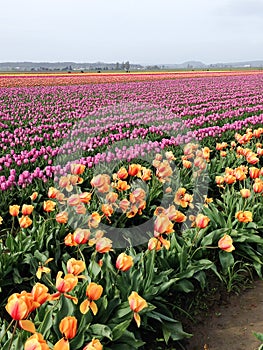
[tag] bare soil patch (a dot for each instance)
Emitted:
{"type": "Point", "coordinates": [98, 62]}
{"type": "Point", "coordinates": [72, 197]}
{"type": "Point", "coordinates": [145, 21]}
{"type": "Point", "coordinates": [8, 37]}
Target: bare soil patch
{"type": "Point", "coordinates": [231, 324]}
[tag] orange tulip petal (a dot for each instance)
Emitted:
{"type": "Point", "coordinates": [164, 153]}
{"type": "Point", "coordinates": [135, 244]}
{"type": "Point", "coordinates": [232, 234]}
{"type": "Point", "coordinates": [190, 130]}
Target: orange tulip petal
{"type": "Point", "coordinates": [94, 308]}
{"type": "Point", "coordinates": [27, 325]}
{"type": "Point", "coordinates": [62, 344]}
{"type": "Point", "coordinates": [84, 306]}
{"type": "Point", "coordinates": [137, 319]}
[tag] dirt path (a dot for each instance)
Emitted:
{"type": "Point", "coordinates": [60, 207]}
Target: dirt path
{"type": "Point", "coordinates": [231, 325]}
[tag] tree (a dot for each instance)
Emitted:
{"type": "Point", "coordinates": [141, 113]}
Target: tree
{"type": "Point", "coordinates": [127, 66]}
{"type": "Point", "coordinates": [117, 66]}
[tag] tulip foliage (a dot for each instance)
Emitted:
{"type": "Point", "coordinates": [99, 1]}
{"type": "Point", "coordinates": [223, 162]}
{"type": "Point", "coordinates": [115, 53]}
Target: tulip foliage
{"type": "Point", "coordinates": [100, 253]}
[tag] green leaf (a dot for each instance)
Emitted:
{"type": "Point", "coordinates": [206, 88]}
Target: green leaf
{"type": "Point", "coordinates": [101, 330]}
{"type": "Point", "coordinates": [118, 330]}
{"type": "Point", "coordinates": [226, 259]}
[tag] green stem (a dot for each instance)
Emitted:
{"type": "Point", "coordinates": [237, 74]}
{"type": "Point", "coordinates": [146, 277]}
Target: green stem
{"type": "Point", "coordinates": [12, 338]}
{"type": "Point", "coordinates": [10, 324]}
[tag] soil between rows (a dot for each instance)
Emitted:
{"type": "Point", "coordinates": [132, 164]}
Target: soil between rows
{"type": "Point", "coordinates": [230, 326]}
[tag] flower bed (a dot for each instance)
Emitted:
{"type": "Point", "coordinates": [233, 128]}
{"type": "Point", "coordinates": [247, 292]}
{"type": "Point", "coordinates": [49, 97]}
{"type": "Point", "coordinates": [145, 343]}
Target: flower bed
{"type": "Point", "coordinates": [99, 249]}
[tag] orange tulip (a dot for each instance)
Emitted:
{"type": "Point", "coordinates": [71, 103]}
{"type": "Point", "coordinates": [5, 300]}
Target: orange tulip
{"type": "Point", "coordinates": [20, 305]}
{"type": "Point", "coordinates": [73, 200]}
{"type": "Point", "coordinates": [62, 218]}
{"type": "Point", "coordinates": [219, 180]}
{"type": "Point", "coordinates": [146, 174]}
{"type": "Point", "coordinates": [239, 174]}
{"type": "Point", "coordinates": [93, 292]}
{"type": "Point", "coordinates": [122, 173]}
{"type": "Point", "coordinates": [14, 210]}
{"type": "Point", "coordinates": [49, 206]}
{"type": "Point", "coordinates": [124, 204]}
{"type": "Point", "coordinates": [137, 304]}
{"type": "Point", "coordinates": [94, 220]}
{"type": "Point", "coordinates": [52, 192]}
{"type": "Point", "coordinates": [75, 267]}
{"type": "Point", "coordinates": [25, 221]}
{"type": "Point", "coordinates": [111, 197]}
{"type": "Point", "coordinates": [33, 196]}
{"type": "Point", "coordinates": [245, 193]}
{"type": "Point", "coordinates": [103, 245]}
{"type": "Point", "coordinates": [201, 221]}
{"type": "Point", "coordinates": [81, 236]}
{"type": "Point", "coordinates": [66, 284]}
{"type": "Point", "coordinates": [62, 344]}
{"type": "Point", "coordinates": [229, 179]}
{"type": "Point", "coordinates": [69, 240]}
{"type": "Point", "coordinates": [162, 225]}
{"type": "Point", "coordinates": [36, 342]}
{"type": "Point", "coordinates": [80, 209]}
{"type": "Point", "coordinates": [244, 216]}
{"type": "Point", "coordinates": [226, 243]}
{"type": "Point", "coordinates": [77, 169]}
{"type": "Point", "coordinates": [124, 262]}
{"type": "Point", "coordinates": [68, 327]}
{"type": "Point", "coordinates": [40, 293]}
{"type": "Point", "coordinates": [107, 209]}
{"type": "Point", "coordinates": [85, 197]}
{"type": "Point", "coordinates": [187, 164]}
{"type": "Point", "coordinates": [134, 169]}
{"type": "Point", "coordinates": [154, 244]}
{"type": "Point", "coordinates": [101, 182]}
{"type": "Point", "coordinates": [258, 186]}
{"type": "Point", "coordinates": [27, 209]}
{"type": "Point", "coordinates": [252, 158]}
{"type": "Point", "coordinates": [95, 344]}
{"type": "Point", "coordinates": [254, 172]}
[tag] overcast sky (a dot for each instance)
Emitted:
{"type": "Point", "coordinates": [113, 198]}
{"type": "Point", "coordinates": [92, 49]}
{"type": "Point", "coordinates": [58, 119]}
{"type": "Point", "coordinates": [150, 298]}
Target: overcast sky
{"type": "Point", "coordinates": [141, 31]}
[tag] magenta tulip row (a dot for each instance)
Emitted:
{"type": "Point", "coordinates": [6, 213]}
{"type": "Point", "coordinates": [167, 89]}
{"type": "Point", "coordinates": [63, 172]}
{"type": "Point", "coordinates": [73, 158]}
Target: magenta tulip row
{"type": "Point", "coordinates": [39, 126]}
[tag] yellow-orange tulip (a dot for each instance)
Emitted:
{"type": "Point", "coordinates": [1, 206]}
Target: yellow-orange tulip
{"type": "Point", "coordinates": [245, 193]}
{"type": "Point", "coordinates": [33, 196]}
{"type": "Point", "coordinates": [66, 284]}
{"type": "Point", "coordinates": [36, 342]}
{"type": "Point", "coordinates": [154, 244]}
{"type": "Point", "coordinates": [77, 169]}
{"type": "Point", "coordinates": [85, 197]}
{"type": "Point", "coordinates": [134, 169]}
{"type": "Point", "coordinates": [52, 192]}
{"type": "Point", "coordinates": [25, 221]}
{"type": "Point", "coordinates": [40, 293]}
{"type": "Point", "coordinates": [27, 209]}
{"type": "Point", "coordinates": [75, 267]}
{"type": "Point", "coordinates": [124, 262]}
{"type": "Point", "coordinates": [137, 304]}
{"type": "Point", "coordinates": [14, 210]}
{"type": "Point", "coordinates": [258, 186]}
{"type": "Point", "coordinates": [244, 216]}
{"type": "Point", "coordinates": [49, 206]}
{"type": "Point", "coordinates": [162, 225]}
{"type": "Point", "coordinates": [254, 172]}
{"type": "Point", "coordinates": [20, 305]}
{"type": "Point", "coordinates": [201, 221]}
{"type": "Point", "coordinates": [103, 245]}
{"type": "Point", "coordinates": [95, 344]}
{"type": "Point", "coordinates": [94, 291]}
{"type": "Point", "coordinates": [62, 218]}
{"type": "Point", "coordinates": [226, 243]}
{"type": "Point", "coordinates": [81, 236]}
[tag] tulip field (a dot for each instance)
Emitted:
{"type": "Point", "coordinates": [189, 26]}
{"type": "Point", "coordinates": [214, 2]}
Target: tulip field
{"type": "Point", "coordinates": [124, 198]}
